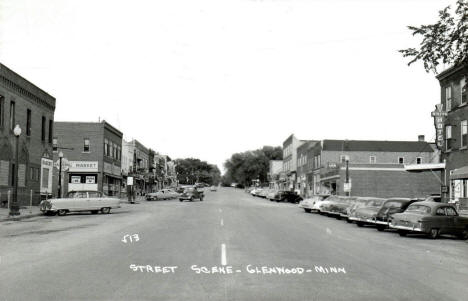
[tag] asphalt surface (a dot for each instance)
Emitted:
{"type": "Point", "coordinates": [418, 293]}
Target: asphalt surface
{"type": "Point", "coordinates": [254, 249]}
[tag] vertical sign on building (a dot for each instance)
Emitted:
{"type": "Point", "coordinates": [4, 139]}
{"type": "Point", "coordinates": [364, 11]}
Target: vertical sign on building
{"type": "Point", "coordinates": [439, 119]}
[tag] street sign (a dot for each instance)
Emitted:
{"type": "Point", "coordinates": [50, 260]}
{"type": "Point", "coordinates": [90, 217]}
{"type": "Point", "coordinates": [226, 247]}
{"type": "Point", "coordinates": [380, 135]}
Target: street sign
{"type": "Point", "coordinates": [347, 186]}
{"type": "Point", "coordinates": [65, 164]}
{"type": "Point", "coordinates": [130, 181]}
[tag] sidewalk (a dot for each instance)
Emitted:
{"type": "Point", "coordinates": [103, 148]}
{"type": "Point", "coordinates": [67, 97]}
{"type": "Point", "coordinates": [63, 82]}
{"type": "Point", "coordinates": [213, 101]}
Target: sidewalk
{"type": "Point", "coordinates": [25, 212]}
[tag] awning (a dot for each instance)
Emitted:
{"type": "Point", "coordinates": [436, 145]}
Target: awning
{"type": "Point", "coordinates": [329, 178]}
{"type": "Point", "coordinates": [459, 173]}
{"type": "Point", "coordinates": [424, 167]}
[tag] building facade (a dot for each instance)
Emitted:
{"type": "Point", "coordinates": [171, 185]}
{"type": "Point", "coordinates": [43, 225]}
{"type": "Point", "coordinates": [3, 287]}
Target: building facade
{"type": "Point", "coordinates": [373, 168]}
{"type": "Point", "coordinates": [304, 169]}
{"type": "Point", "coordinates": [24, 104]}
{"type": "Point", "coordinates": [451, 120]}
{"type": "Point", "coordinates": [274, 173]}
{"type": "Point", "coordinates": [137, 165]}
{"type": "Point", "coordinates": [290, 145]}
{"type": "Point", "coordinates": [92, 156]}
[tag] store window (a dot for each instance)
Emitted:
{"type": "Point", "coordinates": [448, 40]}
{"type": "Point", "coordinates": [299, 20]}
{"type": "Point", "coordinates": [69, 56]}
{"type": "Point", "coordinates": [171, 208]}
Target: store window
{"type": "Point", "coordinates": [464, 131]}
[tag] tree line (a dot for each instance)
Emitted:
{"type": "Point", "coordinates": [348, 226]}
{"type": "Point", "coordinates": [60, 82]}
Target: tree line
{"type": "Point", "coordinates": [190, 171]}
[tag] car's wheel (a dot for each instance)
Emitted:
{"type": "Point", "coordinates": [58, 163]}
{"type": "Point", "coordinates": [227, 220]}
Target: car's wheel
{"type": "Point", "coordinates": [94, 211]}
{"type": "Point", "coordinates": [307, 210]}
{"type": "Point", "coordinates": [464, 234]}
{"type": "Point", "coordinates": [434, 233]}
{"type": "Point", "coordinates": [191, 199]}
{"type": "Point", "coordinates": [380, 228]}
{"type": "Point", "coordinates": [402, 232]}
{"type": "Point", "coordinates": [201, 199]}
{"type": "Point", "coordinates": [62, 212]}
{"type": "Point", "coordinates": [338, 217]}
{"type": "Point", "coordinates": [105, 210]}
{"type": "Point", "coordinates": [348, 221]}
{"type": "Point", "coordinates": [360, 224]}
{"type": "Point", "coordinates": [181, 200]}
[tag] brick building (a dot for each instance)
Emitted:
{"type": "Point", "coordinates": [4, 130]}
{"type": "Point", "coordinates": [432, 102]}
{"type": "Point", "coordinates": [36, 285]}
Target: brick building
{"type": "Point", "coordinates": [453, 134]}
{"type": "Point", "coordinates": [91, 156]}
{"type": "Point", "coordinates": [24, 104]}
{"type": "Point", "coordinates": [136, 157]}
{"type": "Point", "coordinates": [290, 145]}
{"type": "Point", "coordinates": [375, 168]}
{"type": "Point", "coordinates": [304, 168]}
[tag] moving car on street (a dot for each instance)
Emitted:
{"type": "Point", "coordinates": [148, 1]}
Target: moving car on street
{"type": "Point", "coordinates": [430, 218]}
{"type": "Point", "coordinates": [76, 201]}
{"type": "Point", "coordinates": [390, 207]}
{"type": "Point", "coordinates": [163, 194]}
{"type": "Point", "coordinates": [191, 194]}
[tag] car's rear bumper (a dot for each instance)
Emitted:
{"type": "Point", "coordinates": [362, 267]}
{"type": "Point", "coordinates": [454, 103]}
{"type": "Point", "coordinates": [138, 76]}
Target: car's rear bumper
{"type": "Point", "coordinates": [407, 228]}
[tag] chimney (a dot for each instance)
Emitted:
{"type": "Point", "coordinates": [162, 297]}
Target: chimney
{"type": "Point", "coordinates": [421, 138]}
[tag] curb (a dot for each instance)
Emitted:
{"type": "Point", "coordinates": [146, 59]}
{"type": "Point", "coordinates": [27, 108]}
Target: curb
{"type": "Point", "coordinates": [20, 217]}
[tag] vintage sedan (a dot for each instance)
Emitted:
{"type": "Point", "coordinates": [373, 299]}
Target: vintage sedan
{"type": "Point", "coordinates": [75, 201]}
{"type": "Point", "coordinates": [191, 194]}
{"type": "Point", "coordinates": [163, 194]}
{"type": "Point", "coordinates": [430, 218]}
{"type": "Point", "coordinates": [288, 196]}
{"type": "Point", "coordinates": [390, 207]}
{"type": "Point", "coordinates": [338, 205]}
{"type": "Point", "coordinates": [309, 204]}
{"type": "Point", "coordinates": [366, 214]}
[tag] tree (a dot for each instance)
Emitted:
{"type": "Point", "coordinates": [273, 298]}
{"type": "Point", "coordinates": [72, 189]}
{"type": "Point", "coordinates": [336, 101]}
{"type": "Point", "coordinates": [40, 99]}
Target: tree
{"type": "Point", "coordinates": [191, 170]}
{"type": "Point", "coordinates": [445, 41]}
{"type": "Point", "coordinates": [244, 167]}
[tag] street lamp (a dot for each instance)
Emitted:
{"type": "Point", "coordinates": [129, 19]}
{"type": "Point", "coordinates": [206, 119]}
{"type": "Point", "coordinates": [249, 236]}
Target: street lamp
{"type": "Point", "coordinates": [59, 190]}
{"type": "Point", "coordinates": [14, 208]}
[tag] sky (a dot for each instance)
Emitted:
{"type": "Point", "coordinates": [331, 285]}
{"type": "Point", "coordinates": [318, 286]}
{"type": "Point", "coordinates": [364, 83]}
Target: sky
{"type": "Point", "coordinates": [209, 78]}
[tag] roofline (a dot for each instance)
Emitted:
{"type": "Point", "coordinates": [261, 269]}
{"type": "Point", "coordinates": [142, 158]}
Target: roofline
{"type": "Point", "coordinates": [450, 71]}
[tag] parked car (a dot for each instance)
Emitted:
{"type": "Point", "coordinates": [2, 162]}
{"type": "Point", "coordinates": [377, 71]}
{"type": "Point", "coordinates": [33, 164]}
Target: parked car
{"type": "Point", "coordinates": [213, 188]}
{"type": "Point", "coordinates": [430, 218]}
{"type": "Point", "coordinates": [288, 196]}
{"type": "Point", "coordinates": [390, 207]}
{"type": "Point", "coordinates": [366, 214]}
{"type": "Point", "coordinates": [337, 205]}
{"type": "Point", "coordinates": [309, 203]}
{"type": "Point", "coordinates": [271, 194]}
{"type": "Point", "coordinates": [256, 191]}
{"type": "Point", "coordinates": [191, 194]}
{"type": "Point", "coordinates": [93, 201]}
{"type": "Point", "coordinates": [163, 194]}
{"type": "Point", "coordinates": [263, 193]}
{"type": "Point", "coordinates": [361, 202]}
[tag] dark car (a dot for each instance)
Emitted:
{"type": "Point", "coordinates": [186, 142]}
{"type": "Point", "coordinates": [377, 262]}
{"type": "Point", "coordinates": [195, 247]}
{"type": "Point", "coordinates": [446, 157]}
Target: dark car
{"type": "Point", "coordinates": [191, 194]}
{"type": "Point", "coordinates": [430, 218]}
{"type": "Point", "coordinates": [288, 196]}
{"type": "Point", "coordinates": [390, 207]}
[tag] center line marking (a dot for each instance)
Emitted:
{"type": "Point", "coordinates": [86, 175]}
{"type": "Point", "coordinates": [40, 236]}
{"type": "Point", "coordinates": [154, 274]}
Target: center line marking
{"type": "Point", "coordinates": [223, 255]}
{"type": "Point", "coordinates": [222, 222]}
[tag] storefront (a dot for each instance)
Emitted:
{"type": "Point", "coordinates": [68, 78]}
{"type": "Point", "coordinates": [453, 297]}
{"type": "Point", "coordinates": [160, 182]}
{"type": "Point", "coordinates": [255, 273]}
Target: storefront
{"type": "Point", "coordinates": [459, 186]}
{"type": "Point", "coordinates": [83, 175]}
{"type": "Point", "coordinates": [47, 166]}
{"type": "Point", "coordinates": [112, 181]}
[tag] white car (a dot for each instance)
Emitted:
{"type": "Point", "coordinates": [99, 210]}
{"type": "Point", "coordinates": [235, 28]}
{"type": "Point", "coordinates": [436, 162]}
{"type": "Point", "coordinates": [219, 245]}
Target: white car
{"type": "Point", "coordinates": [213, 188]}
{"type": "Point", "coordinates": [75, 201]}
{"type": "Point", "coordinates": [163, 194]}
{"type": "Point", "coordinates": [312, 203]}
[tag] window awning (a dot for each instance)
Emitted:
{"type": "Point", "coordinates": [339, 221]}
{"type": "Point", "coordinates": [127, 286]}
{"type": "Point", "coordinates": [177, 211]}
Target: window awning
{"type": "Point", "coordinates": [459, 173]}
{"type": "Point", "coordinates": [424, 167]}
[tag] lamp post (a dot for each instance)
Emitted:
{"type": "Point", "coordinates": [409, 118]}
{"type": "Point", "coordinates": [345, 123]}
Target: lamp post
{"type": "Point", "coordinates": [59, 186]}
{"type": "Point", "coordinates": [14, 208]}
{"type": "Point", "coordinates": [348, 192]}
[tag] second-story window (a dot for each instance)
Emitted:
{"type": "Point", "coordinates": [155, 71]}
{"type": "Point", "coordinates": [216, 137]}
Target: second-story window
{"type": "Point", "coordinates": [111, 149]}
{"type": "Point", "coordinates": [372, 159]}
{"type": "Point", "coordinates": [43, 128]}
{"type": "Point", "coordinates": [448, 98]}
{"type": "Point", "coordinates": [86, 145]}
{"type": "Point", "coordinates": [12, 115]}
{"type": "Point", "coordinates": [463, 93]}
{"type": "Point", "coordinates": [464, 132]}
{"type": "Point", "coordinates": [2, 109]}
{"type": "Point", "coordinates": [28, 122]}
{"type": "Point", "coordinates": [448, 137]}
{"type": "Point", "coordinates": [55, 144]}
{"type": "Point", "coordinates": [401, 160]}
{"type": "Point", "coordinates": [51, 130]}
{"type": "Point", "coordinates": [418, 160]}
{"type": "Point", "coordinates": [106, 147]}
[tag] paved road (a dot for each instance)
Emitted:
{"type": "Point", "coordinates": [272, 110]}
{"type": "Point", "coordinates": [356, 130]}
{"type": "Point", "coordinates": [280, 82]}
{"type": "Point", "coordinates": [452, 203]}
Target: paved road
{"type": "Point", "coordinates": [83, 257]}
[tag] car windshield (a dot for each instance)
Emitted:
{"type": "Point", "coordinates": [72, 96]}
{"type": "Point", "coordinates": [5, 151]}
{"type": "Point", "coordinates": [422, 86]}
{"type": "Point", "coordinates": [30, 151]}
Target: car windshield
{"type": "Point", "coordinates": [419, 209]}
{"type": "Point", "coordinates": [375, 203]}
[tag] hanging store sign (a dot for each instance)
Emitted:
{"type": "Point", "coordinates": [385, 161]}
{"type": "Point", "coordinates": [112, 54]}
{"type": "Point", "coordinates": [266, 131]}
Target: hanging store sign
{"type": "Point", "coordinates": [439, 119]}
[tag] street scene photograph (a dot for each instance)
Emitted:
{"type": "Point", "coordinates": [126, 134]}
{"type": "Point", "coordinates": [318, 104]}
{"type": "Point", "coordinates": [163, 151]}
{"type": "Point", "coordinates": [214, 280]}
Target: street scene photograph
{"type": "Point", "coordinates": [234, 150]}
